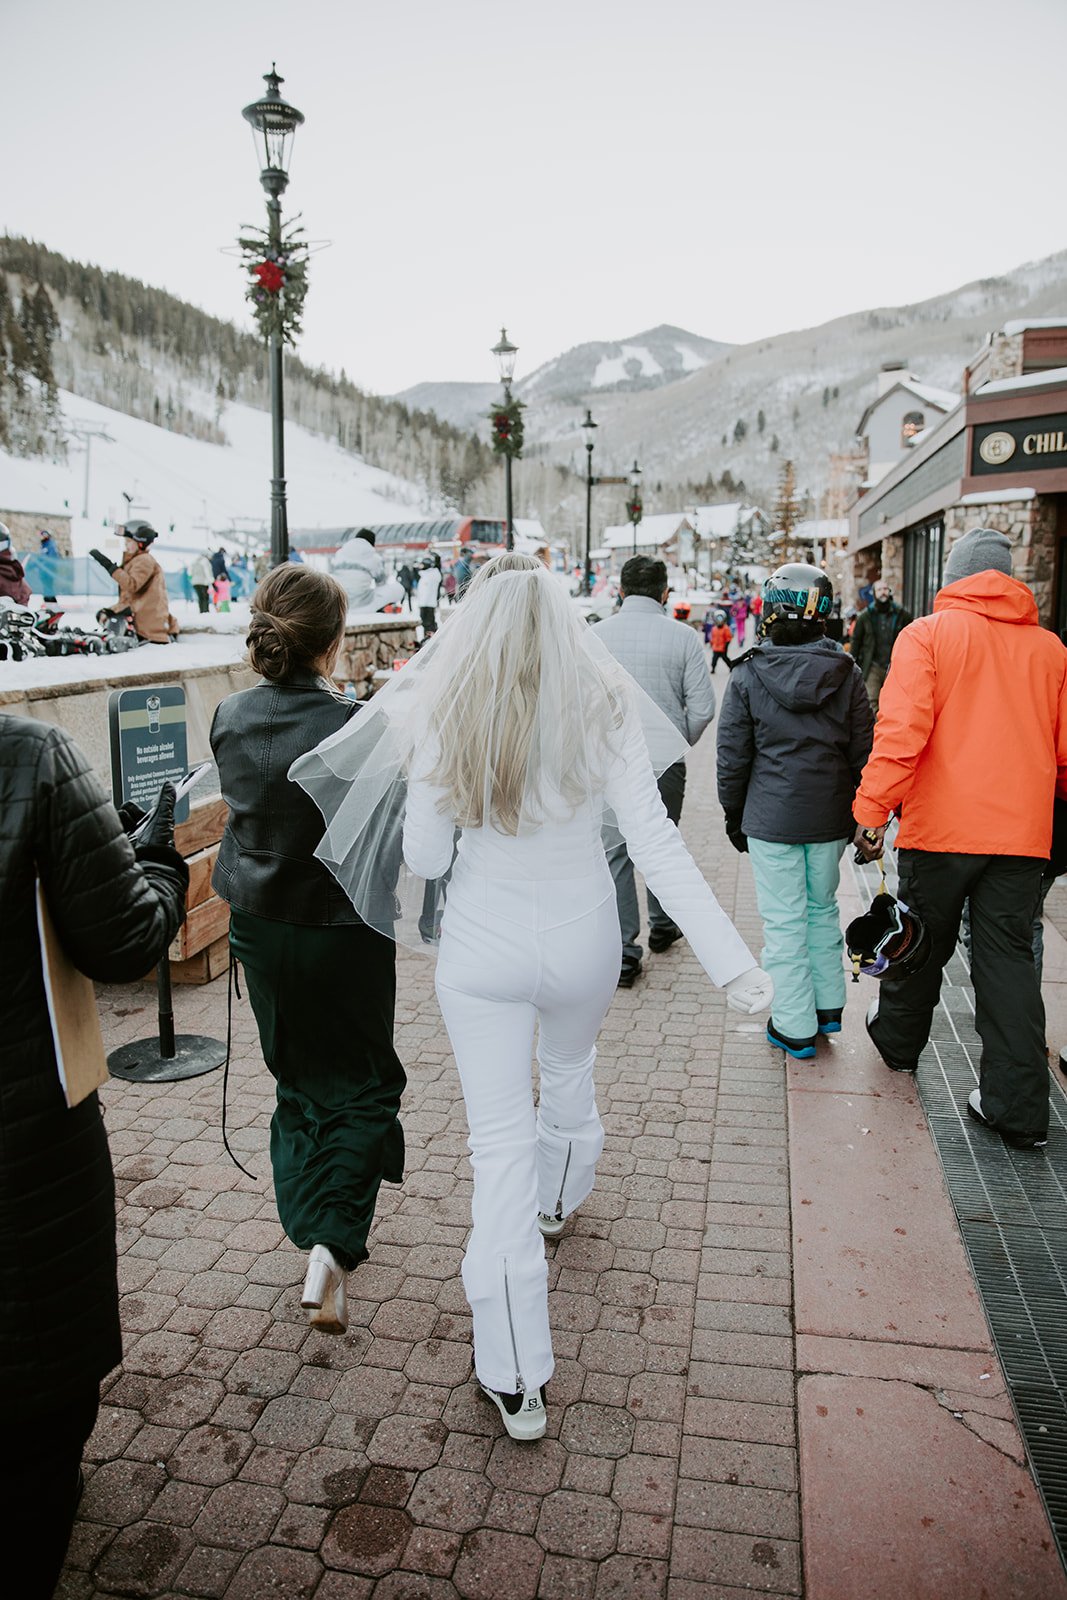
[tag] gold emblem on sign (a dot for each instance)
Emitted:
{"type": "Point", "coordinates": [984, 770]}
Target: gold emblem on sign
{"type": "Point", "coordinates": [996, 448]}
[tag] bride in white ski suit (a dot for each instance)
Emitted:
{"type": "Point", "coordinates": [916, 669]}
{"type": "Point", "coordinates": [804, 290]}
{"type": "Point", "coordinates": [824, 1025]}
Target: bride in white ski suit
{"type": "Point", "coordinates": [527, 732]}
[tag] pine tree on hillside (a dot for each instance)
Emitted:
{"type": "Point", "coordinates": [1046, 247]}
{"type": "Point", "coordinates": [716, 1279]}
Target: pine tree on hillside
{"type": "Point", "coordinates": [786, 513]}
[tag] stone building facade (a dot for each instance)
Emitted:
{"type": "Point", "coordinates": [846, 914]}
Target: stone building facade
{"type": "Point", "coordinates": [998, 460]}
{"type": "Point", "coordinates": [25, 528]}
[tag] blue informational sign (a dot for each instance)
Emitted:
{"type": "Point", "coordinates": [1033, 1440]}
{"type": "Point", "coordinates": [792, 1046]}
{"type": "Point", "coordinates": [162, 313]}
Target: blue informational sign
{"type": "Point", "coordinates": [149, 743]}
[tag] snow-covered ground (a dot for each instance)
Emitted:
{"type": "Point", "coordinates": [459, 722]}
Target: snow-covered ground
{"type": "Point", "coordinates": [217, 639]}
{"type": "Point", "coordinates": [197, 650]}
{"type": "Point", "coordinates": [203, 489]}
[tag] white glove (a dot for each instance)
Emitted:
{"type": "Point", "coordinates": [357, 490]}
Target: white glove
{"type": "Point", "coordinates": [751, 991]}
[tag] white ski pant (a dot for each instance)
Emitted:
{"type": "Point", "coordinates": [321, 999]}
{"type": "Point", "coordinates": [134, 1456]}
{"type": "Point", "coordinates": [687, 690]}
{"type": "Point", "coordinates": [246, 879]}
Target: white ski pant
{"type": "Point", "coordinates": [497, 981]}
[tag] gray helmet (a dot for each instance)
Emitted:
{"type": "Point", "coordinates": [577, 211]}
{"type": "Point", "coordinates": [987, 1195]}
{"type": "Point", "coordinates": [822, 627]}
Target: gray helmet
{"type": "Point", "coordinates": [796, 592]}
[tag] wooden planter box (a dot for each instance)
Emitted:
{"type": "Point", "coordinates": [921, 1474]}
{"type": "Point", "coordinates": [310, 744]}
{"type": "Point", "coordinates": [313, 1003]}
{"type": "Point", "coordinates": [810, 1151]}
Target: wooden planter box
{"type": "Point", "coordinates": [200, 951]}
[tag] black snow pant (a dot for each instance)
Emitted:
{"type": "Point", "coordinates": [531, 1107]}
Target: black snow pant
{"type": "Point", "coordinates": [1004, 892]}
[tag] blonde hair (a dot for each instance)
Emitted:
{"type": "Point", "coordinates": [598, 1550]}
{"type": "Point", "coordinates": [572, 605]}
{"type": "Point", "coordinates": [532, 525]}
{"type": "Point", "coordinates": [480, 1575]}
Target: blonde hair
{"type": "Point", "coordinates": [501, 746]}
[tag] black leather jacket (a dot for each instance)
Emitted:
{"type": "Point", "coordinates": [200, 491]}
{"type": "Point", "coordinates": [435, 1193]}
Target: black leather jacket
{"type": "Point", "coordinates": [115, 913]}
{"type": "Point", "coordinates": [266, 863]}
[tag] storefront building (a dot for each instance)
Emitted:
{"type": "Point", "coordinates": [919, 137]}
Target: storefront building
{"type": "Point", "coordinates": [997, 460]}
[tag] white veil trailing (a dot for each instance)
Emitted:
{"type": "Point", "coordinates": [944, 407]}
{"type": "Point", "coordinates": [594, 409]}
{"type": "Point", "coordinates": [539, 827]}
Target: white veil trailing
{"type": "Point", "coordinates": [514, 711]}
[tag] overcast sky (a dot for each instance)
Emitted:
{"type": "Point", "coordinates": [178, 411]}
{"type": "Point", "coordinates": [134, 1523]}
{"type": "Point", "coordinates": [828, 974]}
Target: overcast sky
{"type": "Point", "coordinates": [574, 170]}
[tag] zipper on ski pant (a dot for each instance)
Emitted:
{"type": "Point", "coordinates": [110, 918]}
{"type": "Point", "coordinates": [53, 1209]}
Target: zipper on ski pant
{"type": "Point", "coordinates": [563, 1181]}
{"type": "Point", "coordinates": [519, 1385]}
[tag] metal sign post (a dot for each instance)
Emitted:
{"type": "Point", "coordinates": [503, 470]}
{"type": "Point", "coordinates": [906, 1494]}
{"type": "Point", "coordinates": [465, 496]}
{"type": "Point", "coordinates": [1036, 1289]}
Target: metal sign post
{"type": "Point", "coordinates": [149, 745]}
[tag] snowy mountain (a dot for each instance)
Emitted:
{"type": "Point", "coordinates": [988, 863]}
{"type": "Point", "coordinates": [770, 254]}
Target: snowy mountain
{"type": "Point", "coordinates": [198, 494]}
{"type": "Point", "coordinates": [712, 408]}
{"type": "Point", "coordinates": [464, 405]}
{"type": "Point", "coordinates": [799, 394]}
{"type": "Point", "coordinates": [645, 361]}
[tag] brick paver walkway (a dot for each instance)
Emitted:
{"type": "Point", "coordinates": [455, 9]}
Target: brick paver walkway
{"type": "Point", "coordinates": [240, 1454]}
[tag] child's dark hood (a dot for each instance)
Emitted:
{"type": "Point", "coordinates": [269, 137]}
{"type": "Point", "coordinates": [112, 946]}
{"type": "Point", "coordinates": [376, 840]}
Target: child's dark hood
{"type": "Point", "coordinates": [801, 677]}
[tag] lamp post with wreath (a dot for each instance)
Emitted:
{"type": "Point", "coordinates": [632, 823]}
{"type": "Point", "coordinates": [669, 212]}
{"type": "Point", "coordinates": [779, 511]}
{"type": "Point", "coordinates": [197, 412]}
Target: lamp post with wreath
{"type": "Point", "coordinates": [589, 428]}
{"type": "Point", "coordinates": [634, 507]}
{"type": "Point", "coordinates": [275, 264]}
{"type": "Point", "coordinates": [506, 420]}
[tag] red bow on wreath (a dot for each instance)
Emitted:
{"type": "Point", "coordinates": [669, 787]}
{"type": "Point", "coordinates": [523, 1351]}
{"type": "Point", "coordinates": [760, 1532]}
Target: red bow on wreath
{"type": "Point", "coordinates": [270, 276]}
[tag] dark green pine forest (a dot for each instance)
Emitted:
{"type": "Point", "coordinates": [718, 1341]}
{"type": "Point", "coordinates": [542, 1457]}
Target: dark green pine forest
{"type": "Point", "coordinates": [112, 339]}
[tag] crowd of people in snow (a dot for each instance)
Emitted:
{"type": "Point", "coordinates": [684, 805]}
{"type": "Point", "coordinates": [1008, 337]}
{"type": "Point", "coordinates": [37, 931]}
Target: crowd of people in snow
{"type": "Point", "coordinates": [489, 806]}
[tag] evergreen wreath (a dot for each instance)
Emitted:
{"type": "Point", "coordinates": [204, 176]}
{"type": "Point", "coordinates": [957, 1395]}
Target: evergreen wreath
{"type": "Point", "coordinates": [507, 429]}
{"type": "Point", "coordinates": [635, 508]}
{"type": "Point", "coordinates": [277, 280]}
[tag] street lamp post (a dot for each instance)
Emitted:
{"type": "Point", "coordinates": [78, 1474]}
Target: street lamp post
{"type": "Point", "coordinates": [634, 508]}
{"type": "Point", "coordinates": [589, 429]}
{"type": "Point", "coordinates": [505, 353]}
{"type": "Point", "coordinates": [273, 122]}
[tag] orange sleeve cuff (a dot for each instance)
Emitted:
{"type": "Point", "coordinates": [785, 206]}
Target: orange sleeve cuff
{"type": "Point", "coordinates": [869, 814]}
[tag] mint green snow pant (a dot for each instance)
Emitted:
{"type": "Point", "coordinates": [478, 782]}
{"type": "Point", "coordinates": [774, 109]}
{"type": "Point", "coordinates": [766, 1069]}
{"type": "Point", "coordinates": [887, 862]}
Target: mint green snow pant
{"type": "Point", "coordinates": [796, 891]}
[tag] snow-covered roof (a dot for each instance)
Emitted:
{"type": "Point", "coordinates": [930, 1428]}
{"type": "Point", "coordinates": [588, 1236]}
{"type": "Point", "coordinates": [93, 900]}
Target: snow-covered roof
{"type": "Point", "coordinates": [1032, 380]}
{"type": "Point", "coordinates": [821, 528]}
{"type": "Point", "coordinates": [719, 522]}
{"type": "Point", "coordinates": [996, 497]}
{"type": "Point", "coordinates": [1022, 324]}
{"type": "Point", "coordinates": [529, 528]}
{"type": "Point", "coordinates": [944, 400]}
{"type": "Point", "coordinates": [655, 530]}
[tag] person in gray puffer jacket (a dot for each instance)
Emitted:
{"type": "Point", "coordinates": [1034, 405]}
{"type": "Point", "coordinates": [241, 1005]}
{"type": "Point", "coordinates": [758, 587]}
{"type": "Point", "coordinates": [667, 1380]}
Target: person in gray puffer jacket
{"type": "Point", "coordinates": [667, 659]}
{"type": "Point", "coordinates": [794, 733]}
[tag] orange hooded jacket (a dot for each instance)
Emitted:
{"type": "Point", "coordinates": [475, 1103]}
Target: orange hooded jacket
{"type": "Point", "coordinates": [971, 738]}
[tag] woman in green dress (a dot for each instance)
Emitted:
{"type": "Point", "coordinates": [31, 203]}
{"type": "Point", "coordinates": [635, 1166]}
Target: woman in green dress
{"type": "Point", "coordinates": [322, 984]}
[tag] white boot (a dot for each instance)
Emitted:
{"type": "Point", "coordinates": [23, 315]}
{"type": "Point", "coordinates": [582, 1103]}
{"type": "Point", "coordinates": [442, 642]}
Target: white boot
{"type": "Point", "coordinates": [325, 1292]}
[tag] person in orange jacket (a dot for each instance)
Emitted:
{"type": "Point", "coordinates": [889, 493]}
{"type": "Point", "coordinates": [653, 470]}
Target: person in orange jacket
{"type": "Point", "coordinates": [977, 690]}
{"type": "Point", "coordinates": [720, 638]}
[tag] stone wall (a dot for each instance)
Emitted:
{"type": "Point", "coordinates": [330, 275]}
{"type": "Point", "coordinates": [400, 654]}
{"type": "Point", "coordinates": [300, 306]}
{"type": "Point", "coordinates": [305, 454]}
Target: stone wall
{"type": "Point", "coordinates": [371, 648]}
{"type": "Point", "coordinates": [25, 527]}
{"type": "Point", "coordinates": [866, 566]}
{"type": "Point", "coordinates": [1001, 358]}
{"type": "Point", "coordinates": [80, 707]}
{"type": "Point", "coordinates": [885, 560]}
{"type": "Point", "coordinates": [1031, 527]}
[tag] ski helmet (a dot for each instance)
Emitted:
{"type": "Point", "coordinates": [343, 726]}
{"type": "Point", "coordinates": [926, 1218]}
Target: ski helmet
{"type": "Point", "coordinates": [889, 940]}
{"type": "Point", "coordinates": [719, 617]}
{"type": "Point", "coordinates": [139, 530]}
{"type": "Point", "coordinates": [796, 592]}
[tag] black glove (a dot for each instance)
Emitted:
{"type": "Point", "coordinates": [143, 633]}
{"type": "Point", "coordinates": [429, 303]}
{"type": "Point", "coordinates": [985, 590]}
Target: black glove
{"type": "Point", "coordinates": [107, 564]}
{"type": "Point", "coordinates": [157, 827]}
{"type": "Point", "coordinates": [130, 815]}
{"type": "Point", "coordinates": [734, 833]}
{"type": "Point", "coordinates": [153, 845]}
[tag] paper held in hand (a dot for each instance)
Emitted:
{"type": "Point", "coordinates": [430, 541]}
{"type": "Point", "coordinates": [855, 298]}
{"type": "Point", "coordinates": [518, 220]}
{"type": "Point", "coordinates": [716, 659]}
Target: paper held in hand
{"type": "Point", "coordinates": [72, 1013]}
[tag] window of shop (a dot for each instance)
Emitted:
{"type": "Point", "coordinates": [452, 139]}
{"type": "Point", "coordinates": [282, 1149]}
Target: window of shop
{"type": "Point", "coordinates": [923, 556]}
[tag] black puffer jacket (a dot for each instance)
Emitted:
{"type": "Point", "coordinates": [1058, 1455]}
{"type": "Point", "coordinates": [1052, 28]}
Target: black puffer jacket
{"type": "Point", "coordinates": [794, 732]}
{"type": "Point", "coordinates": [59, 1322]}
{"type": "Point", "coordinates": [266, 863]}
